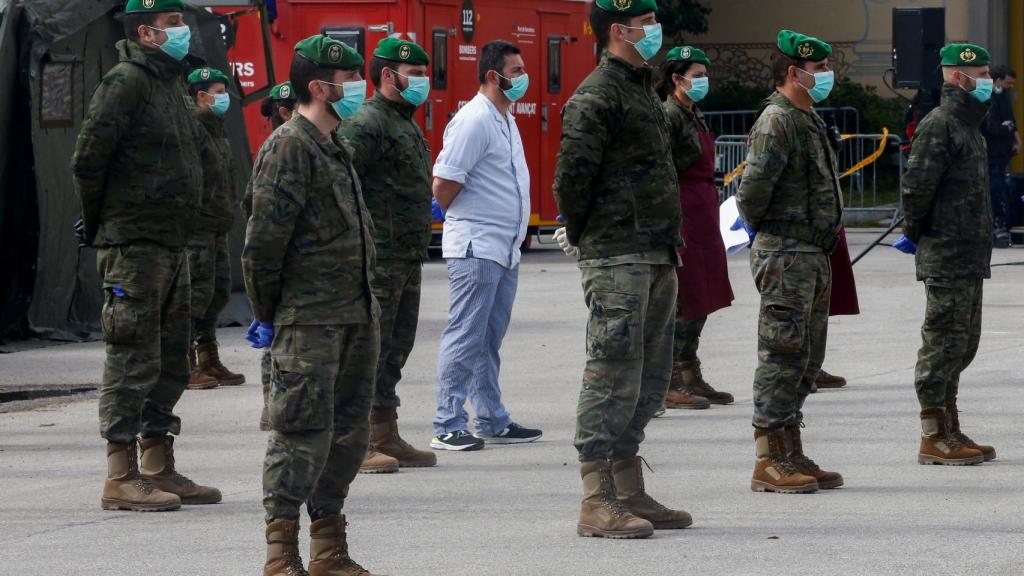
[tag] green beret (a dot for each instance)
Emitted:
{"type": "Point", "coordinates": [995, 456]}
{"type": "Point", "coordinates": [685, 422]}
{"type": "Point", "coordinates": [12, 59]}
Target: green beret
{"type": "Point", "coordinates": [208, 76]}
{"type": "Point", "coordinates": [964, 55]}
{"type": "Point", "coordinates": [628, 7]}
{"type": "Point", "coordinates": [687, 54]}
{"type": "Point", "coordinates": [327, 52]}
{"type": "Point", "coordinates": [282, 91]}
{"type": "Point", "coordinates": [154, 6]}
{"type": "Point", "coordinates": [401, 51]}
{"type": "Point", "coordinates": [801, 47]}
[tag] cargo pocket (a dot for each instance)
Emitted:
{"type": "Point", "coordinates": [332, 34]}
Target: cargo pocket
{"type": "Point", "coordinates": [781, 326]}
{"type": "Point", "coordinates": [122, 315]}
{"type": "Point", "coordinates": [613, 329]}
{"type": "Point", "coordinates": [296, 401]}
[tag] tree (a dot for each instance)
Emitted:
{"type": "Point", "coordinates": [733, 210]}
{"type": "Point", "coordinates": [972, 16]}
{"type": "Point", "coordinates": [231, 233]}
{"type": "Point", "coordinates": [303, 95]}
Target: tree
{"type": "Point", "coordinates": [679, 17]}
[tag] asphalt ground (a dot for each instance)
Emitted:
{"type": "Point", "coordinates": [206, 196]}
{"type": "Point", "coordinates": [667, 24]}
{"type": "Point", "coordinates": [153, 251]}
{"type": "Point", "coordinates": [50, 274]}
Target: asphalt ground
{"type": "Point", "coordinates": [512, 509]}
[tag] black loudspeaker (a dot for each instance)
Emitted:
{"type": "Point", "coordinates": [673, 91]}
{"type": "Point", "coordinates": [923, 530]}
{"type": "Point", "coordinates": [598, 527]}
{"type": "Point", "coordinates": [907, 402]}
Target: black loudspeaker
{"type": "Point", "coordinates": [917, 36]}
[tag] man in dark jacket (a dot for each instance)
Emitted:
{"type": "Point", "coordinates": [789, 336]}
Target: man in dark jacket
{"type": "Point", "coordinates": [138, 176]}
{"type": "Point", "coordinates": [1003, 141]}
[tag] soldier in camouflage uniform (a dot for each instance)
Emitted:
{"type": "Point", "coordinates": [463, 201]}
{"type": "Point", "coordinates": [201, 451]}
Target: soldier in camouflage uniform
{"type": "Point", "coordinates": [948, 217]}
{"type": "Point", "coordinates": [791, 202]}
{"type": "Point", "coordinates": [137, 174]}
{"type": "Point", "coordinates": [393, 162]}
{"type": "Point", "coordinates": [307, 262]}
{"type": "Point", "coordinates": [616, 189]}
{"type": "Point", "coordinates": [209, 261]}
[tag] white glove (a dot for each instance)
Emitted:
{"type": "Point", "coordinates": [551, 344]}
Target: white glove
{"type": "Point", "coordinates": [563, 243]}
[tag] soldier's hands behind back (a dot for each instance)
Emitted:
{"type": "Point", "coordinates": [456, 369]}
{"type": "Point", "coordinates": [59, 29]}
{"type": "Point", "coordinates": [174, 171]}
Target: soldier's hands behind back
{"type": "Point", "coordinates": [79, 228]}
{"type": "Point", "coordinates": [905, 245]}
{"type": "Point", "coordinates": [563, 243]}
{"type": "Point", "coordinates": [739, 223]}
{"type": "Point", "coordinates": [261, 334]}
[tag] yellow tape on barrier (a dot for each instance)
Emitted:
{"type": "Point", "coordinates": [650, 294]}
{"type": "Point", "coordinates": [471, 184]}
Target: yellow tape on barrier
{"type": "Point", "coordinates": [738, 170]}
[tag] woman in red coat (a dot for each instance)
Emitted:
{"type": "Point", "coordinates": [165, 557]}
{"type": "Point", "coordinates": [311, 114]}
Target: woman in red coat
{"type": "Point", "coordinates": [704, 277]}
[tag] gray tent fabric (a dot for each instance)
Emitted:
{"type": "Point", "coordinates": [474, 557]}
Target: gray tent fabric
{"type": "Point", "coordinates": [66, 46]}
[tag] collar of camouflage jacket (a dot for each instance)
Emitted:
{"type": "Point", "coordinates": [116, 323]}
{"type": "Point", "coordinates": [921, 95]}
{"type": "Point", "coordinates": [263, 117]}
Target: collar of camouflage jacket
{"type": "Point", "coordinates": [213, 123]}
{"type": "Point", "coordinates": [155, 61]}
{"type": "Point", "coordinates": [403, 107]}
{"type": "Point", "coordinates": [963, 105]}
{"type": "Point", "coordinates": [328, 142]}
{"type": "Point", "coordinates": [693, 113]}
{"type": "Point", "coordinates": [635, 73]}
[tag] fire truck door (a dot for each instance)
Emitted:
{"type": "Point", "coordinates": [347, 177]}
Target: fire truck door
{"type": "Point", "coordinates": [438, 22]}
{"type": "Point", "coordinates": [554, 39]}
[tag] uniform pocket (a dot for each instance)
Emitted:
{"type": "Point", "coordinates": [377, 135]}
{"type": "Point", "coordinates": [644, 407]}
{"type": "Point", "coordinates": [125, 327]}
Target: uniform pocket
{"type": "Point", "coordinates": [613, 331]}
{"type": "Point", "coordinates": [123, 315]}
{"type": "Point", "coordinates": [781, 326]}
{"type": "Point", "coordinates": [296, 402]}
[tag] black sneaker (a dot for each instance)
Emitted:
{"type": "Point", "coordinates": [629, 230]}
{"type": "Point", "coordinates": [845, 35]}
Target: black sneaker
{"type": "Point", "coordinates": [514, 434]}
{"type": "Point", "coordinates": [460, 441]}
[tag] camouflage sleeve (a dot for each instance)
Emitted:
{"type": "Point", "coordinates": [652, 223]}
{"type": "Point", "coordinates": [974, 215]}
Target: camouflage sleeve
{"type": "Point", "coordinates": [768, 150]}
{"type": "Point", "coordinates": [929, 158]}
{"type": "Point", "coordinates": [363, 134]}
{"type": "Point", "coordinates": [585, 122]}
{"type": "Point", "coordinates": [276, 198]}
{"type": "Point", "coordinates": [107, 120]}
{"type": "Point", "coordinates": [209, 159]}
{"type": "Point", "coordinates": [685, 141]}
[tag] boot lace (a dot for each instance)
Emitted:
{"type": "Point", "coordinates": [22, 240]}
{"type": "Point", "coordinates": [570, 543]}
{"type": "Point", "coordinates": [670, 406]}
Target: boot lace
{"type": "Point", "coordinates": [803, 463]}
{"type": "Point", "coordinates": [341, 559]}
{"type": "Point", "coordinates": [144, 485]}
{"type": "Point", "coordinates": [293, 565]}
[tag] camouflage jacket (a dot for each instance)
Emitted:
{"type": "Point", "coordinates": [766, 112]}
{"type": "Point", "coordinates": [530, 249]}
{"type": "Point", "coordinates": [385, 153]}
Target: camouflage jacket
{"type": "Point", "coordinates": [790, 189]}
{"type": "Point", "coordinates": [220, 196]}
{"type": "Point", "coordinates": [136, 163]}
{"type": "Point", "coordinates": [308, 243]}
{"type": "Point", "coordinates": [685, 126]}
{"type": "Point", "coordinates": [946, 203]}
{"type": "Point", "coordinates": [392, 159]}
{"type": "Point", "coordinates": [615, 183]}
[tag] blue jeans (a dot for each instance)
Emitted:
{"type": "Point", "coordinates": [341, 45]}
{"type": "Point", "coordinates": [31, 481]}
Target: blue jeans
{"type": "Point", "coordinates": [480, 307]}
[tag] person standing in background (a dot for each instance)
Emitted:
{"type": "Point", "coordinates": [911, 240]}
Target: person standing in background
{"type": "Point", "coordinates": [1003, 140]}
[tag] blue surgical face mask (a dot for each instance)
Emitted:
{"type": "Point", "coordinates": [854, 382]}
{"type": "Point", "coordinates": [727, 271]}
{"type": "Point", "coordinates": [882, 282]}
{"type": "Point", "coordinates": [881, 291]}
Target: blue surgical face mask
{"type": "Point", "coordinates": [352, 100]}
{"type": "Point", "coordinates": [176, 45]}
{"type": "Point", "coordinates": [221, 103]}
{"type": "Point", "coordinates": [417, 90]}
{"type": "Point", "coordinates": [698, 88]}
{"type": "Point", "coordinates": [823, 83]}
{"type": "Point", "coordinates": [650, 44]}
{"type": "Point", "coordinates": [982, 88]}
{"type": "Point", "coordinates": [519, 86]}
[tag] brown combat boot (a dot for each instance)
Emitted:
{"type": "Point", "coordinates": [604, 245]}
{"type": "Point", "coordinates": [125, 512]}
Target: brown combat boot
{"type": "Point", "coordinates": [804, 465]}
{"type": "Point", "coordinates": [209, 363]}
{"type": "Point", "coordinates": [328, 549]}
{"type": "Point", "coordinates": [692, 381]}
{"type": "Point", "coordinates": [601, 513]}
{"type": "Point", "coordinates": [376, 463]}
{"type": "Point", "coordinates": [283, 557]}
{"type": "Point", "coordinates": [938, 446]}
{"type": "Point", "coordinates": [825, 380]}
{"type": "Point", "coordinates": [953, 423]}
{"type": "Point", "coordinates": [384, 438]}
{"type": "Point", "coordinates": [125, 489]}
{"type": "Point", "coordinates": [678, 397]}
{"type": "Point", "coordinates": [628, 477]}
{"type": "Point", "coordinates": [773, 471]}
{"type": "Point", "coordinates": [158, 468]}
{"type": "Point", "coordinates": [197, 380]}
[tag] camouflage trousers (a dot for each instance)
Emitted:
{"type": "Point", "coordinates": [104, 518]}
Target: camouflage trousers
{"type": "Point", "coordinates": [145, 320]}
{"type": "Point", "coordinates": [949, 338]}
{"type": "Point", "coordinates": [792, 328]}
{"type": "Point", "coordinates": [396, 284]}
{"type": "Point", "coordinates": [687, 339]}
{"type": "Point", "coordinates": [209, 268]}
{"type": "Point", "coordinates": [629, 356]}
{"type": "Point", "coordinates": [319, 405]}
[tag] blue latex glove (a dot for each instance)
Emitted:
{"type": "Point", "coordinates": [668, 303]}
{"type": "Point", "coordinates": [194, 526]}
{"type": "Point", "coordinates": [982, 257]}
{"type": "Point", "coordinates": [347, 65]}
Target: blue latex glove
{"type": "Point", "coordinates": [739, 223]}
{"type": "Point", "coordinates": [905, 245]}
{"type": "Point", "coordinates": [436, 212]}
{"type": "Point", "coordinates": [261, 334]}
{"type": "Point", "coordinates": [560, 219]}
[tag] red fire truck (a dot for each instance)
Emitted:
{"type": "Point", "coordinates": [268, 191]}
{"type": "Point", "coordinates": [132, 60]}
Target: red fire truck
{"type": "Point", "coordinates": [554, 35]}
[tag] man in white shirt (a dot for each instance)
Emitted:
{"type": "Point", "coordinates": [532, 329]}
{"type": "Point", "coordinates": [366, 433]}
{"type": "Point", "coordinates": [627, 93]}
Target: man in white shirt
{"type": "Point", "coordinates": [482, 182]}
